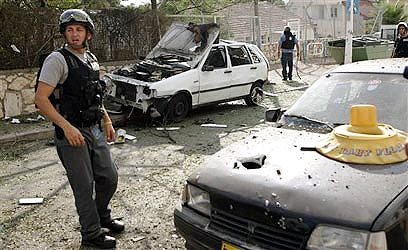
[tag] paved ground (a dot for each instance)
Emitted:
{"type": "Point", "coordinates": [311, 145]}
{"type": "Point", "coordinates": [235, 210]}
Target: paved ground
{"type": "Point", "coordinates": [152, 170]}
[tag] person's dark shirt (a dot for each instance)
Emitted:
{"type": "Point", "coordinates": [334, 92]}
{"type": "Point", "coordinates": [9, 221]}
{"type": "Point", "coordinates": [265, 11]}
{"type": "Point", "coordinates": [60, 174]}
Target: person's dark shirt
{"type": "Point", "coordinates": [401, 47]}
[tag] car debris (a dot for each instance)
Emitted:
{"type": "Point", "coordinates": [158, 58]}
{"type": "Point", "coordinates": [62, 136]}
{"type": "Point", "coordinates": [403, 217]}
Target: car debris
{"type": "Point", "coordinates": [203, 121]}
{"type": "Point", "coordinates": [14, 48]}
{"type": "Point", "coordinates": [167, 128]}
{"type": "Point", "coordinates": [212, 125]}
{"type": "Point", "coordinates": [30, 201]}
{"type": "Point", "coordinates": [26, 120]}
{"type": "Point", "coordinates": [15, 121]}
{"type": "Point", "coordinates": [130, 137]}
{"type": "Point", "coordinates": [138, 238]}
{"type": "Point", "coordinates": [120, 136]}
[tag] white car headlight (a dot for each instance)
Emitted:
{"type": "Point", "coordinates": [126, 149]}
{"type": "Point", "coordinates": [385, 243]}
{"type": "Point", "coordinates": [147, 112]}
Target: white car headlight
{"type": "Point", "coordinates": [110, 86]}
{"type": "Point", "coordinates": [197, 199]}
{"type": "Point", "coordinates": [326, 237]}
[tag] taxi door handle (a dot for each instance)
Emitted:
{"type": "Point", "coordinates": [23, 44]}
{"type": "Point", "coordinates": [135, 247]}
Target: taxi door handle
{"type": "Point", "coordinates": [253, 68]}
{"type": "Point", "coordinates": [228, 71]}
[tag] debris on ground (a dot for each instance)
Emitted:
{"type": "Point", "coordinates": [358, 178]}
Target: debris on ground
{"type": "Point", "coordinates": [30, 201]}
{"type": "Point", "coordinates": [130, 137]}
{"type": "Point", "coordinates": [14, 48]}
{"type": "Point", "coordinates": [120, 136]}
{"type": "Point", "coordinates": [138, 238]}
{"type": "Point", "coordinates": [26, 120]}
{"type": "Point", "coordinates": [167, 128]}
{"type": "Point", "coordinates": [203, 121]}
{"type": "Point", "coordinates": [213, 125]}
{"type": "Point", "coordinates": [15, 121]}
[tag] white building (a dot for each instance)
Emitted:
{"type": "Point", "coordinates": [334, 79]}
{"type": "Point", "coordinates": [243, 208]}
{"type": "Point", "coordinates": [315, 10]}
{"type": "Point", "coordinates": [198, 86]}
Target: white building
{"type": "Point", "coordinates": [329, 16]}
{"type": "Point", "coordinates": [273, 20]}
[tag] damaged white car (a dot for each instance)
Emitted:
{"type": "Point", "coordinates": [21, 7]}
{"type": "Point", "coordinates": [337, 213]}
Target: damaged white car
{"type": "Point", "coordinates": [176, 77]}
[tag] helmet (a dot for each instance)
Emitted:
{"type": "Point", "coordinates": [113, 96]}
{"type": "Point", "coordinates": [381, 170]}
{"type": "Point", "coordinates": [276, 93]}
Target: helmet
{"type": "Point", "coordinates": [75, 16]}
{"type": "Point", "coordinates": [402, 24]}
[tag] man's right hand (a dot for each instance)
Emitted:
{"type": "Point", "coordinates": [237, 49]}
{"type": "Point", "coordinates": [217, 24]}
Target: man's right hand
{"type": "Point", "coordinates": [74, 136]}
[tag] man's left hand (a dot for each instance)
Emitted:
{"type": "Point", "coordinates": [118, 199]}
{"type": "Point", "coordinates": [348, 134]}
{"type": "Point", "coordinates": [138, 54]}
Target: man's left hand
{"type": "Point", "coordinates": [110, 132]}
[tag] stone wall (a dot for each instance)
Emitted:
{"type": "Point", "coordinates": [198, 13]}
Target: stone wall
{"type": "Point", "coordinates": [17, 89]}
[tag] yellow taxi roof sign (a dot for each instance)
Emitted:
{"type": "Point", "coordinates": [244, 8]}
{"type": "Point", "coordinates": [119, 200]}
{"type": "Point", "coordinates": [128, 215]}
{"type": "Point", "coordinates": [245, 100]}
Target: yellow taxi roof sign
{"type": "Point", "coordinates": [364, 141]}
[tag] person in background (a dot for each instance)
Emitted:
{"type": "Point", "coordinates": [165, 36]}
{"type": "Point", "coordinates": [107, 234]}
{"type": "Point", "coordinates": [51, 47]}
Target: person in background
{"type": "Point", "coordinates": [201, 33]}
{"type": "Point", "coordinates": [70, 94]}
{"type": "Point", "coordinates": [401, 44]}
{"type": "Point", "coordinates": [287, 43]}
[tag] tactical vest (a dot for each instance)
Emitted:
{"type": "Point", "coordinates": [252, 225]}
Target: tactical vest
{"type": "Point", "coordinates": [401, 47]}
{"type": "Point", "coordinates": [289, 42]}
{"type": "Point", "coordinates": [80, 96]}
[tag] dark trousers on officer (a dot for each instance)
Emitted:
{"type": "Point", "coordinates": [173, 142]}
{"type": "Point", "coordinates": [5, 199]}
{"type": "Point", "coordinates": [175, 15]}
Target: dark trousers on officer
{"type": "Point", "coordinates": [90, 167]}
{"type": "Point", "coordinates": [287, 60]}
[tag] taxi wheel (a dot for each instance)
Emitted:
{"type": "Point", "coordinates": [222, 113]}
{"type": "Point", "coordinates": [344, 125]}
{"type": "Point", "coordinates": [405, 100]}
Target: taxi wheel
{"type": "Point", "coordinates": [178, 108]}
{"type": "Point", "coordinates": [255, 96]}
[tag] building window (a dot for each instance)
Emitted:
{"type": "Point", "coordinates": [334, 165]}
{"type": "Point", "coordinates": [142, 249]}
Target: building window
{"type": "Point", "coordinates": [333, 12]}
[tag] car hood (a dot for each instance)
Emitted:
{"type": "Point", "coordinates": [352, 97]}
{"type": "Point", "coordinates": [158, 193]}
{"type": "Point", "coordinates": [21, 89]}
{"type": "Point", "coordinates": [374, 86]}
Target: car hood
{"type": "Point", "coordinates": [180, 41]}
{"type": "Point", "coordinates": [295, 180]}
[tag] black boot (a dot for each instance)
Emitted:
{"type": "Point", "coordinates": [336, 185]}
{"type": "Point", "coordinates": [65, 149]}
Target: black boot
{"type": "Point", "coordinates": [115, 226]}
{"type": "Point", "coordinates": [102, 241]}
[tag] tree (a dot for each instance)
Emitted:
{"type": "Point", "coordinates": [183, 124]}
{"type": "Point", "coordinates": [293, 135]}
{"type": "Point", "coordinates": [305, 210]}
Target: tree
{"type": "Point", "coordinates": [64, 4]}
{"type": "Point", "coordinates": [394, 13]}
{"type": "Point", "coordinates": [203, 6]}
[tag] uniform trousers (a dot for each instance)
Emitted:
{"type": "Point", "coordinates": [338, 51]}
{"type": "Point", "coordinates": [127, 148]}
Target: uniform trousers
{"type": "Point", "coordinates": [93, 178]}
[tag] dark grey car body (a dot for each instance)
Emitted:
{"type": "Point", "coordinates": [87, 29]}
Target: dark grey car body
{"type": "Point", "coordinates": [271, 190]}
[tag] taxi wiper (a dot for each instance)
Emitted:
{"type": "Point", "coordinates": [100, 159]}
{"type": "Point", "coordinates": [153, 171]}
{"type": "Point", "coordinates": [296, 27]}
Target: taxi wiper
{"type": "Point", "coordinates": [312, 120]}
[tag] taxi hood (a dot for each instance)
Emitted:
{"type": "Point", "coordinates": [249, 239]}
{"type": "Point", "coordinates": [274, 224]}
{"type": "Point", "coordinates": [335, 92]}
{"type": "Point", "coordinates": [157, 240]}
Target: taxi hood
{"type": "Point", "coordinates": [178, 40]}
{"type": "Point", "coordinates": [279, 171]}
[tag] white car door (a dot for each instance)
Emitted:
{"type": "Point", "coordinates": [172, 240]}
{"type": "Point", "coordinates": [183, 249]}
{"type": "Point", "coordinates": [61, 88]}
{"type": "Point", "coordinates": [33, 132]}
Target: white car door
{"type": "Point", "coordinates": [243, 71]}
{"type": "Point", "coordinates": [214, 76]}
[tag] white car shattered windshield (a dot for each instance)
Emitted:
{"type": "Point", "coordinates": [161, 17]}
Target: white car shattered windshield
{"type": "Point", "coordinates": [329, 99]}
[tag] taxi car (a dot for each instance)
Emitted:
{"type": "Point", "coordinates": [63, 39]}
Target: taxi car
{"type": "Point", "coordinates": [278, 190]}
{"type": "Point", "coordinates": [176, 76]}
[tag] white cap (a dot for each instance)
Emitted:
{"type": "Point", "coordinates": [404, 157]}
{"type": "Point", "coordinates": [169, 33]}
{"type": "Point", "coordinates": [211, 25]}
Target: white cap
{"type": "Point", "coordinates": [402, 23]}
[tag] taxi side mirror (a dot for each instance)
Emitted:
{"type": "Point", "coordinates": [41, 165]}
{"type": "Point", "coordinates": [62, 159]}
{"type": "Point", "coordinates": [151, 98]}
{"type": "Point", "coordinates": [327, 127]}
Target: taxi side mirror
{"type": "Point", "coordinates": [406, 72]}
{"type": "Point", "coordinates": [273, 114]}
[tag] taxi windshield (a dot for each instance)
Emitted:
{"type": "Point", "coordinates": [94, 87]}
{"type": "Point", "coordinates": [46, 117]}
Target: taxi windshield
{"type": "Point", "coordinates": [329, 99]}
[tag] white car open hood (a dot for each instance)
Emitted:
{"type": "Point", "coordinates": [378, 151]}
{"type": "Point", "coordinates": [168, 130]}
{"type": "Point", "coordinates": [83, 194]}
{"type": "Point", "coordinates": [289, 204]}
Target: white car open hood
{"type": "Point", "coordinates": [178, 40]}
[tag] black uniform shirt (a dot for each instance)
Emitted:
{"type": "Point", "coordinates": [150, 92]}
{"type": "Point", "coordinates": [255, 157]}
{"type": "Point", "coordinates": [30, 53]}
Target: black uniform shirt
{"type": "Point", "coordinates": [401, 47]}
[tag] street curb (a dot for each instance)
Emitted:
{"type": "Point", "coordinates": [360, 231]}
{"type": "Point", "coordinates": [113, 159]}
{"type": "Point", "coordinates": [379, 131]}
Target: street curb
{"type": "Point", "coordinates": [46, 133]}
{"type": "Point", "coordinates": [28, 136]}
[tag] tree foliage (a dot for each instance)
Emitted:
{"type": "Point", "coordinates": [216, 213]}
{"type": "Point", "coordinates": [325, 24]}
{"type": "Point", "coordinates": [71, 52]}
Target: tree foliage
{"type": "Point", "coordinates": [393, 13]}
{"type": "Point", "coordinates": [203, 6]}
{"type": "Point", "coordinates": [64, 4]}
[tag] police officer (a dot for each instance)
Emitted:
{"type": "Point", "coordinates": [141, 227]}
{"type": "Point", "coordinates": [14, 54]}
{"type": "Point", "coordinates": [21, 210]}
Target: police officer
{"type": "Point", "coordinates": [70, 76]}
{"type": "Point", "coordinates": [287, 43]}
{"type": "Point", "coordinates": [401, 44]}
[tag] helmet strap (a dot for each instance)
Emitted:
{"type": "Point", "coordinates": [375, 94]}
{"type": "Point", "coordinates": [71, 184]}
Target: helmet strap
{"type": "Point", "coordinates": [85, 44]}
